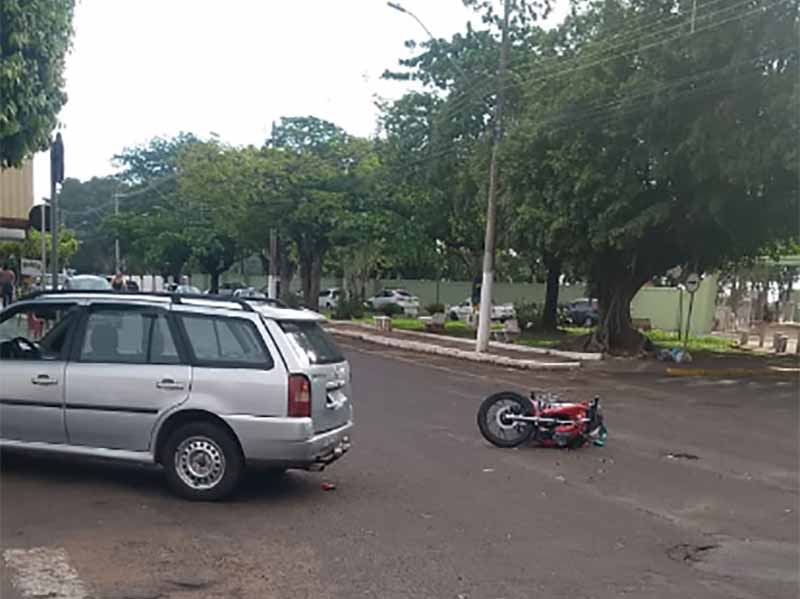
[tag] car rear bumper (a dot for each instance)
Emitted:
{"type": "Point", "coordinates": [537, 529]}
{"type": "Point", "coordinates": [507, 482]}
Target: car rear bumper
{"type": "Point", "coordinates": [289, 442]}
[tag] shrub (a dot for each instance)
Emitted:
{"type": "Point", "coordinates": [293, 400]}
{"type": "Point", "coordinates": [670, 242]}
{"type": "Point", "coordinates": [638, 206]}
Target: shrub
{"type": "Point", "coordinates": [390, 310]}
{"type": "Point", "coordinates": [434, 308]}
{"type": "Point", "coordinates": [528, 314]}
{"type": "Point", "coordinates": [348, 309]}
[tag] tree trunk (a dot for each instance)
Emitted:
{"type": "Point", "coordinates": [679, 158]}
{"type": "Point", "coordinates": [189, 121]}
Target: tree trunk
{"type": "Point", "coordinates": [305, 279]}
{"type": "Point", "coordinates": [315, 283]}
{"type": "Point", "coordinates": [615, 332]}
{"type": "Point", "coordinates": [550, 311]}
{"type": "Point", "coordinates": [214, 281]}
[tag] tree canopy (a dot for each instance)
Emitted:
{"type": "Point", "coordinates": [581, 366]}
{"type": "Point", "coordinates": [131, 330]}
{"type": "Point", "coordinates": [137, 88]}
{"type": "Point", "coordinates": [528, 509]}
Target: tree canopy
{"type": "Point", "coordinates": [34, 39]}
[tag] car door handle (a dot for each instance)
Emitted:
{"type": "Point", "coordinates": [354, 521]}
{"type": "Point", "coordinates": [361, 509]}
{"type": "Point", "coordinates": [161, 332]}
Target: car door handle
{"type": "Point", "coordinates": [169, 384]}
{"type": "Point", "coordinates": [43, 379]}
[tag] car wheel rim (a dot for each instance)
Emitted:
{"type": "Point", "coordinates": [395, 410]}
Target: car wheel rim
{"type": "Point", "coordinates": [200, 463]}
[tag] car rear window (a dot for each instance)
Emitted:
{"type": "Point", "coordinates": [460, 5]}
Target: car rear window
{"type": "Point", "coordinates": [309, 339]}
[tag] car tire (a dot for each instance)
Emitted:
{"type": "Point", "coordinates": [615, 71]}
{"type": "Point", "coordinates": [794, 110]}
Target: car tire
{"type": "Point", "coordinates": [454, 316]}
{"type": "Point", "coordinates": [202, 461]}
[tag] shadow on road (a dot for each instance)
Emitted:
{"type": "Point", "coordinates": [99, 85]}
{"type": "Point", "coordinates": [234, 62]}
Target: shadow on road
{"type": "Point", "coordinates": [257, 485]}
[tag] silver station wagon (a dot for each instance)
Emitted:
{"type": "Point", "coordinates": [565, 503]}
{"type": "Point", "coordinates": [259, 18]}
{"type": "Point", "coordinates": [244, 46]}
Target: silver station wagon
{"type": "Point", "coordinates": [202, 386]}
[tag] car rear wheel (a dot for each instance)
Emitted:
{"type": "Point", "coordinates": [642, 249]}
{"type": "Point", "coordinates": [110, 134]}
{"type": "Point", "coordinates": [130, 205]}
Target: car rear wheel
{"type": "Point", "coordinates": [203, 462]}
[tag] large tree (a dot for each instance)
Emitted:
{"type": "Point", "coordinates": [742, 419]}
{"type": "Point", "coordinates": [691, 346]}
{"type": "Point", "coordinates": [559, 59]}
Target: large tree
{"type": "Point", "coordinates": [84, 206]}
{"type": "Point", "coordinates": [679, 147]}
{"type": "Point", "coordinates": [34, 39]}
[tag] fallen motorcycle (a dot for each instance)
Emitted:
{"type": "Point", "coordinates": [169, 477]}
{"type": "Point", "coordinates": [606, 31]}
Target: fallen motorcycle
{"type": "Point", "coordinates": [508, 419]}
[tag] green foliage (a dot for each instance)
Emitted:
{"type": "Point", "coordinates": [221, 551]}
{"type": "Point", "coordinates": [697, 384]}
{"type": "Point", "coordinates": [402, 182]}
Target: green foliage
{"type": "Point", "coordinates": [648, 160]}
{"type": "Point", "coordinates": [165, 226]}
{"type": "Point", "coordinates": [31, 247]}
{"type": "Point", "coordinates": [84, 207]}
{"type": "Point", "coordinates": [34, 39]}
{"type": "Point", "coordinates": [348, 309]}
{"type": "Point", "coordinates": [668, 340]}
{"type": "Point", "coordinates": [390, 310]}
{"type": "Point", "coordinates": [435, 308]}
{"type": "Point", "coordinates": [528, 314]}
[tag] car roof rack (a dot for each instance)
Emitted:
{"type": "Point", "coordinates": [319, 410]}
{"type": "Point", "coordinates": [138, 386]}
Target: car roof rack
{"type": "Point", "coordinates": [175, 298]}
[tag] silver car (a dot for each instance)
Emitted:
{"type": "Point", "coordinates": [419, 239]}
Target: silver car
{"type": "Point", "coordinates": [202, 387]}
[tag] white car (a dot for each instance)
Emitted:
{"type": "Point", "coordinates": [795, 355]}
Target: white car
{"type": "Point", "coordinates": [329, 298]}
{"type": "Point", "coordinates": [400, 297]}
{"type": "Point", "coordinates": [501, 312]}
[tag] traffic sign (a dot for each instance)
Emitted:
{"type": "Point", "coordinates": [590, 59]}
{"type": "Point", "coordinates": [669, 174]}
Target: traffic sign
{"type": "Point", "coordinates": [31, 268]}
{"type": "Point", "coordinates": [35, 217]}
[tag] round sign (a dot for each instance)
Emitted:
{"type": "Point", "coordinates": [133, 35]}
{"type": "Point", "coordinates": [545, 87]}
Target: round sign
{"type": "Point", "coordinates": [692, 282]}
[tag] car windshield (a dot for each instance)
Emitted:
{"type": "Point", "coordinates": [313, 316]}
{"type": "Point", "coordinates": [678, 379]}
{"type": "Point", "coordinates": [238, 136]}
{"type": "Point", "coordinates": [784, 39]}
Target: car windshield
{"type": "Point", "coordinates": [310, 340]}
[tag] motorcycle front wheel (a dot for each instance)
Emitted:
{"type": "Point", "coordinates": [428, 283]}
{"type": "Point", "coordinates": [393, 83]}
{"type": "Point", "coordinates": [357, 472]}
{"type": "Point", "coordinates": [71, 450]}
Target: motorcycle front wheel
{"type": "Point", "coordinates": [494, 421]}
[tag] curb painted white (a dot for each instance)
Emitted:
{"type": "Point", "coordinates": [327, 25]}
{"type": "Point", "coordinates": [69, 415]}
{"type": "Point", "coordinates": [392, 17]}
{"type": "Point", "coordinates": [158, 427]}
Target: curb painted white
{"type": "Point", "coordinates": [44, 572]}
{"type": "Point", "coordinates": [542, 351]}
{"type": "Point", "coordinates": [427, 348]}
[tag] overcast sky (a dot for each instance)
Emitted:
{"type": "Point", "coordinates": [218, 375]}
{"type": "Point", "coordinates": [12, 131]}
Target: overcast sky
{"type": "Point", "coordinates": [141, 68]}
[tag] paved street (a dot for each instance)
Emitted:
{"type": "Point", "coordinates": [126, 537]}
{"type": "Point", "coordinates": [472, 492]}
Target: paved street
{"type": "Point", "coordinates": [695, 495]}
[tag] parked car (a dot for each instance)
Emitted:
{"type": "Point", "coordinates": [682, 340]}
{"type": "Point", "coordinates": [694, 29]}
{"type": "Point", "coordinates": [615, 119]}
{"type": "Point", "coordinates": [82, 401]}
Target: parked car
{"type": "Point", "coordinates": [186, 289]}
{"type": "Point", "coordinates": [249, 292]}
{"type": "Point", "coordinates": [329, 298]}
{"type": "Point", "coordinates": [203, 387]}
{"type": "Point", "coordinates": [400, 297]}
{"type": "Point", "coordinates": [86, 283]}
{"type": "Point", "coordinates": [228, 288]}
{"type": "Point", "coordinates": [584, 312]}
{"type": "Point", "coordinates": [501, 312]}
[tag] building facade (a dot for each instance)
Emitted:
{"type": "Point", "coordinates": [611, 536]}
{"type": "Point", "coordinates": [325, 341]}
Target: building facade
{"type": "Point", "coordinates": [16, 200]}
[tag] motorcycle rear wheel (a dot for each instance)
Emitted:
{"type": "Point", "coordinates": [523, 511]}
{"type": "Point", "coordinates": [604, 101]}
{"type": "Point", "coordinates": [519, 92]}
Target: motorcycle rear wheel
{"type": "Point", "coordinates": [493, 419]}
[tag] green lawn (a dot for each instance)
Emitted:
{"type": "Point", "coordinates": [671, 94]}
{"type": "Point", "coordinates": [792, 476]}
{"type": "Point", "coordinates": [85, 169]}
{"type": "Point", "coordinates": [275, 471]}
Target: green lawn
{"type": "Point", "coordinates": [553, 340]}
{"type": "Point", "coordinates": [454, 328]}
{"type": "Point", "coordinates": [703, 343]}
{"type": "Point", "coordinates": [550, 339]}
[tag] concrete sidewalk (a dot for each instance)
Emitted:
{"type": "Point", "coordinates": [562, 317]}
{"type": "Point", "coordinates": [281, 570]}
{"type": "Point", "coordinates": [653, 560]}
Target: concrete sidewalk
{"type": "Point", "coordinates": [451, 347]}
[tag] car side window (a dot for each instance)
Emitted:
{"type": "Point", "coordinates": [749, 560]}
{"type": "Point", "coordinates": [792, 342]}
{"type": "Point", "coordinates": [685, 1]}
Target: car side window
{"type": "Point", "coordinates": [116, 336]}
{"type": "Point", "coordinates": [162, 344]}
{"type": "Point", "coordinates": [128, 337]}
{"type": "Point", "coordinates": [34, 332]}
{"type": "Point", "coordinates": [226, 342]}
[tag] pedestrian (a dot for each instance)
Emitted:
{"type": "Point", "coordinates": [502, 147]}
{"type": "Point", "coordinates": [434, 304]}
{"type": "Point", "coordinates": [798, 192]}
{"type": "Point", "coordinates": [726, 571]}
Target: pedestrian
{"type": "Point", "coordinates": [7, 281]}
{"type": "Point", "coordinates": [118, 283]}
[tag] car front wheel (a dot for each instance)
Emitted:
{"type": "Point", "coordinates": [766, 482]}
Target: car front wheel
{"type": "Point", "coordinates": [202, 461]}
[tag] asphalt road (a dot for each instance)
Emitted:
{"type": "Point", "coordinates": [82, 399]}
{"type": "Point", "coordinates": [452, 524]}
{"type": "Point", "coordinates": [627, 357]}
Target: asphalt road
{"type": "Point", "coordinates": [694, 496]}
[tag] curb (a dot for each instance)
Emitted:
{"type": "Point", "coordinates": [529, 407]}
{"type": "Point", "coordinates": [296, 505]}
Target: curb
{"type": "Point", "coordinates": [450, 352]}
{"type": "Point", "coordinates": [559, 353]}
{"type": "Point", "coordinates": [735, 372]}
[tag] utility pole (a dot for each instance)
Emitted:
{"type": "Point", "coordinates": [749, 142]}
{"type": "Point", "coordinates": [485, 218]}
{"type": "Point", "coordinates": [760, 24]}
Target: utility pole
{"type": "Point", "coordinates": [487, 283]}
{"type": "Point", "coordinates": [56, 176]}
{"type": "Point", "coordinates": [116, 238]}
{"type": "Point", "coordinates": [44, 244]}
{"type": "Point", "coordinates": [272, 279]}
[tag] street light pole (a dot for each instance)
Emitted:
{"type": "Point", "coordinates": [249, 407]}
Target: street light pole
{"type": "Point", "coordinates": [44, 246]}
{"type": "Point", "coordinates": [116, 238]}
{"type": "Point", "coordinates": [56, 176]}
{"type": "Point", "coordinates": [490, 240]}
{"type": "Point", "coordinates": [404, 10]}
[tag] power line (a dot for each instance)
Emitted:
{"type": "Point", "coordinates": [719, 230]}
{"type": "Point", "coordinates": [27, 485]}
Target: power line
{"type": "Point", "coordinates": [601, 108]}
{"type": "Point", "coordinates": [460, 103]}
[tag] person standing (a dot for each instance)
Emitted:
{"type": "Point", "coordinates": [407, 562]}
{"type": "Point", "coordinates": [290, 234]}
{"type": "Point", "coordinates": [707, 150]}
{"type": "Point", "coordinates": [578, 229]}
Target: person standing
{"type": "Point", "coordinates": [7, 281]}
{"type": "Point", "coordinates": [118, 283]}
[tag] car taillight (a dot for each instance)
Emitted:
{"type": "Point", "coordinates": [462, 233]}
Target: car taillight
{"type": "Point", "coordinates": [299, 396]}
